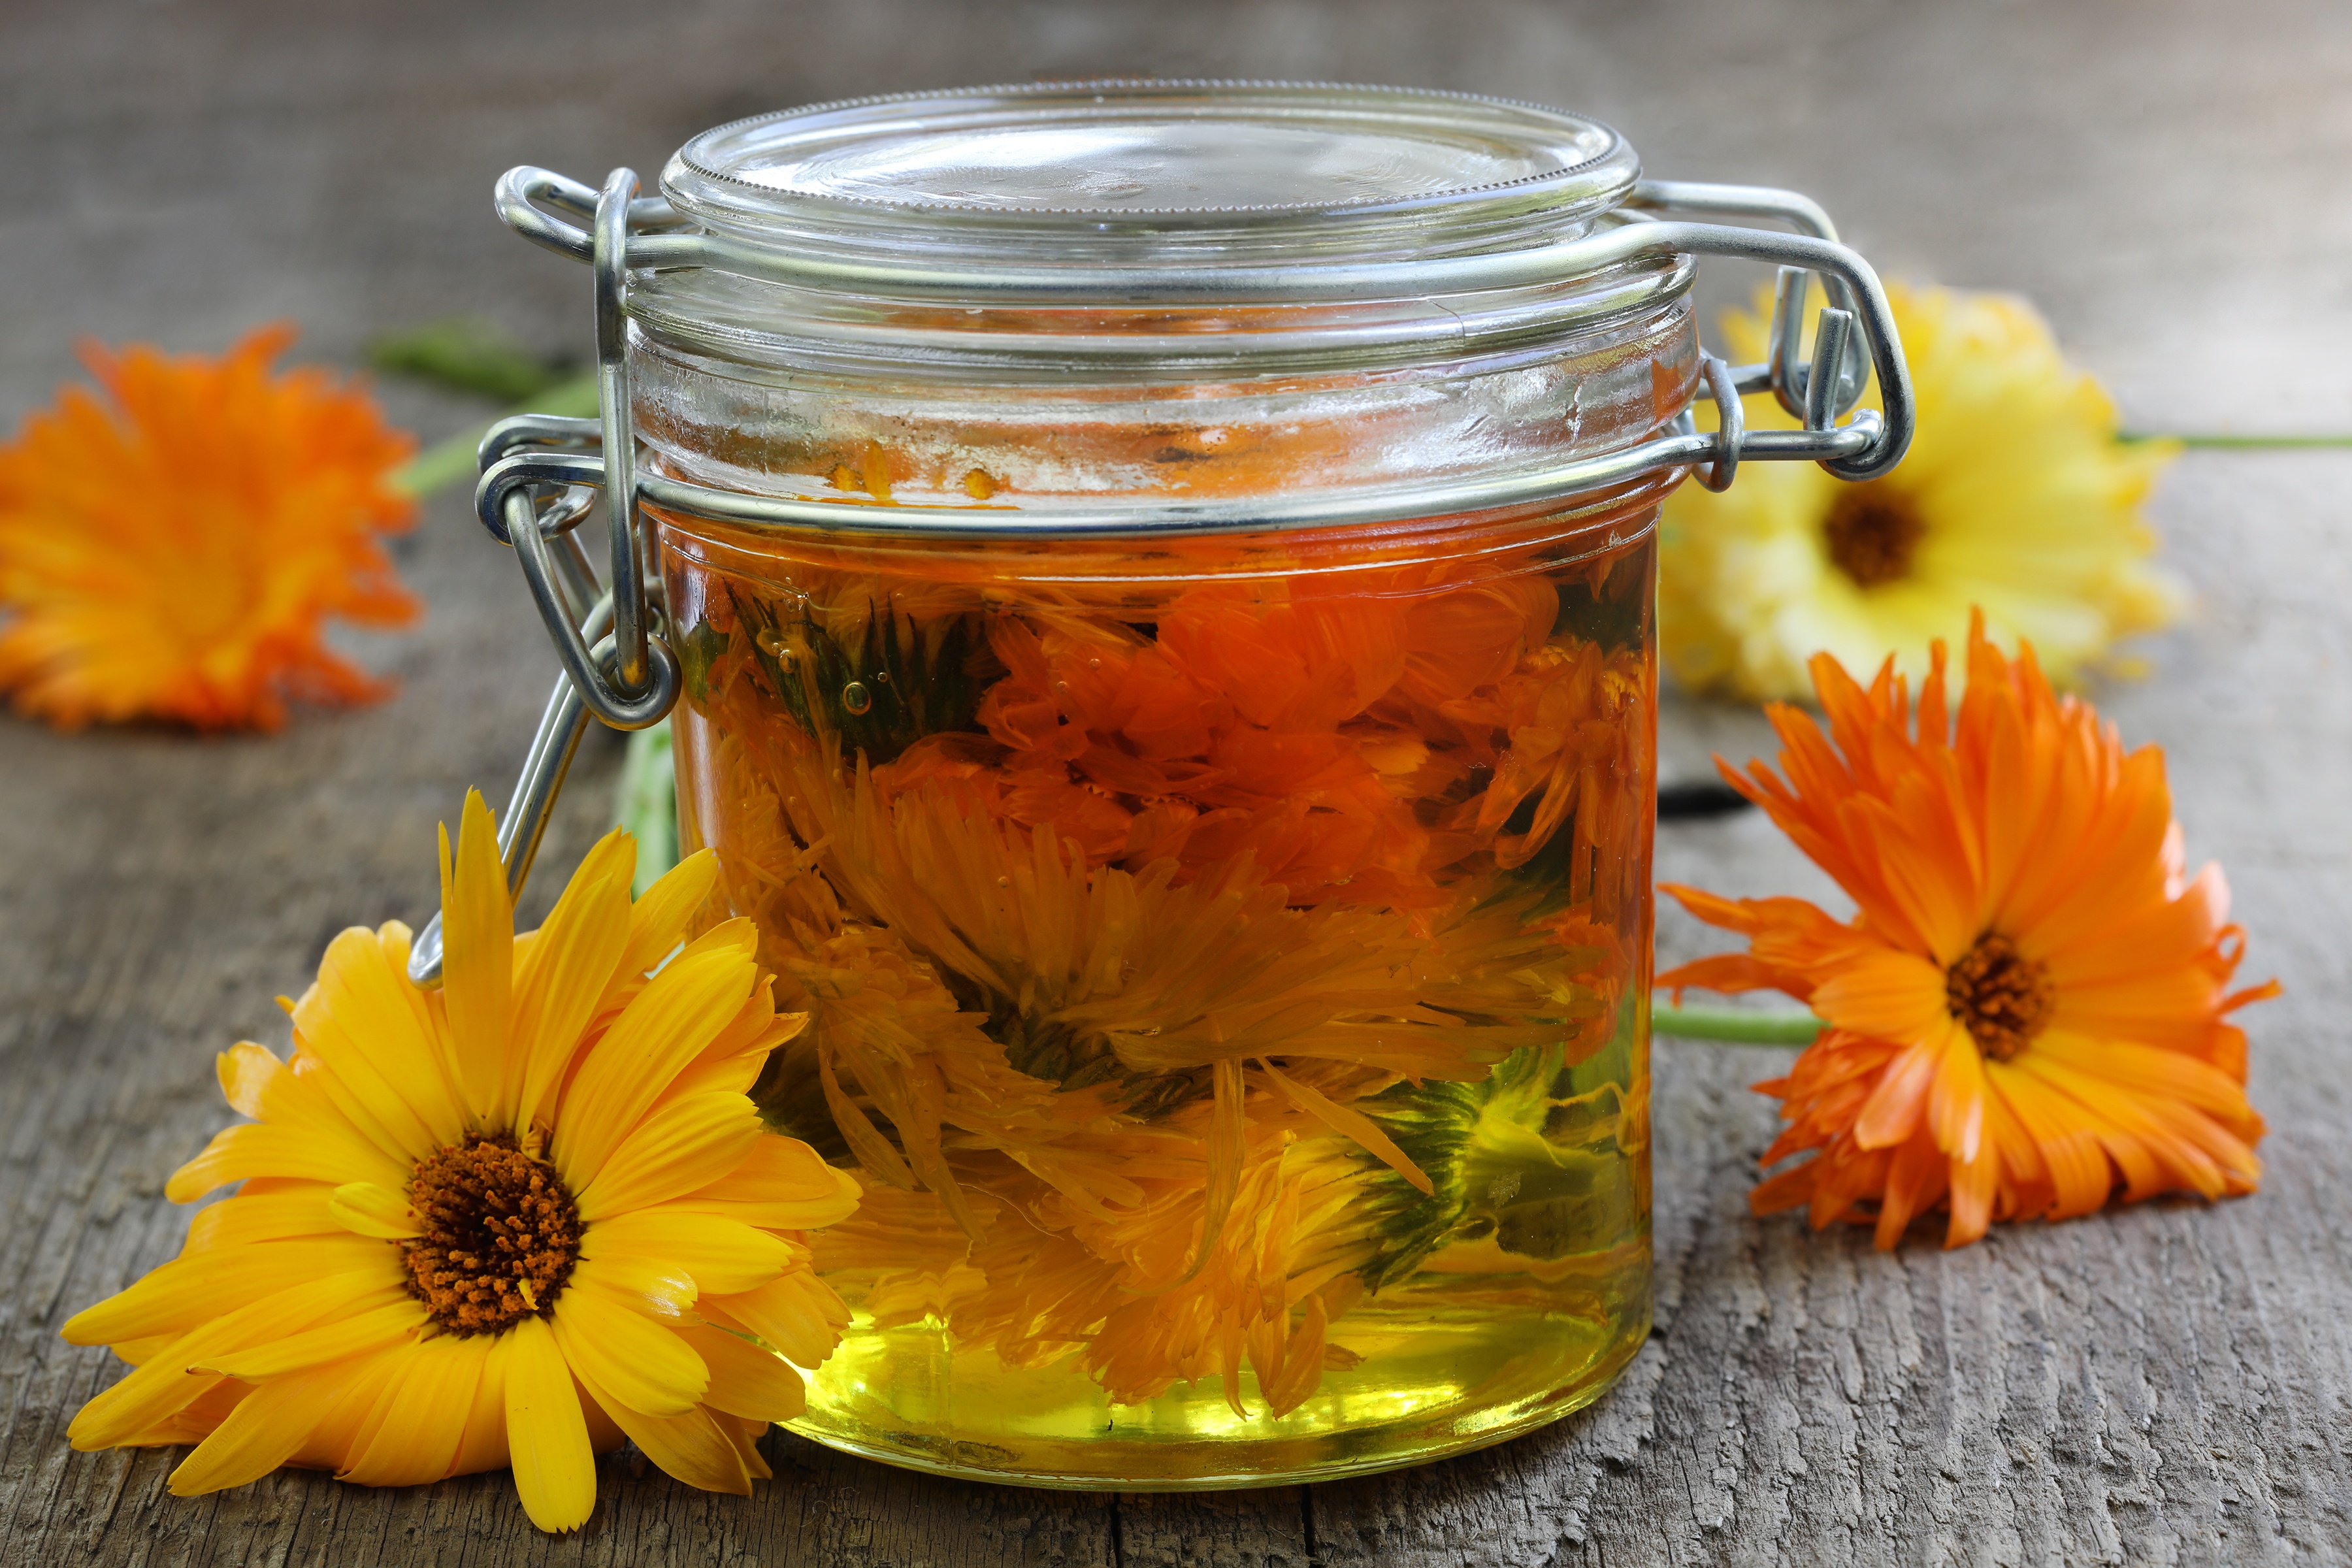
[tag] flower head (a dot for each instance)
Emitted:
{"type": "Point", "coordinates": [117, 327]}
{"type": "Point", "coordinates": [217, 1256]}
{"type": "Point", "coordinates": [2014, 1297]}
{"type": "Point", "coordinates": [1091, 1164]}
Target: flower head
{"type": "Point", "coordinates": [2015, 497]}
{"type": "Point", "coordinates": [512, 1222]}
{"type": "Point", "coordinates": [2029, 1012]}
{"type": "Point", "coordinates": [175, 551]}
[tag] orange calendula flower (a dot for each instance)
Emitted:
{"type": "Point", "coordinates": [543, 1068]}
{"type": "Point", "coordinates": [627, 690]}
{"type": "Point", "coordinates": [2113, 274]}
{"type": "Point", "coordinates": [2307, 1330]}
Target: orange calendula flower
{"type": "Point", "coordinates": [515, 1221]}
{"type": "Point", "coordinates": [2029, 1014]}
{"type": "Point", "coordinates": [174, 550]}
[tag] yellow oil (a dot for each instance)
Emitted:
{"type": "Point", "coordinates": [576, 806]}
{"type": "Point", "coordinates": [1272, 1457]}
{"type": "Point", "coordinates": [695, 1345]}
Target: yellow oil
{"type": "Point", "coordinates": [1225, 971]}
{"type": "Point", "coordinates": [1483, 1341]}
{"type": "Point", "coordinates": [1447, 1367]}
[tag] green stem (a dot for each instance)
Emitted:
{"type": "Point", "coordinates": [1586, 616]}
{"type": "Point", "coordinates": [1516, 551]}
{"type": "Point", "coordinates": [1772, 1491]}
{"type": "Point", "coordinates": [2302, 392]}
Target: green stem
{"type": "Point", "coordinates": [2222, 443]}
{"type": "Point", "coordinates": [1735, 1026]}
{"type": "Point", "coordinates": [646, 802]}
{"type": "Point", "coordinates": [437, 468]}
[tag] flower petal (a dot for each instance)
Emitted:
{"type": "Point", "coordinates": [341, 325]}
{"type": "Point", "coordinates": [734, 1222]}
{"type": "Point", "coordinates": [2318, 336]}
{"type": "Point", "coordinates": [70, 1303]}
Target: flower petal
{"type": "Point", "coordinates": [618, 1351]}
{"type": "Point", "coordinates": [782, 1184]}
{"type": "Point", "coordinates": [561, 981]}
{"type": "Point", "coordinates": [364, 1208]}
{"type": "Point", "coordinates": [1888, 994]}
{"type": "Point", "coordinates": [296, 1208]}
{"type": "Point", "coordinates": [798, 1315]}
{"type": "Point", "coordinates": [478, 955]}
{"type": "Point", "coordinates": [547, 1436]}
{"type": "Point", "coordinates": [269, 1426]}
{"type": "Point", "coordinates": [683, 1146]}
{"type": "Point", "coordinates": [361, 1332]}
{"type": "Point", "coordinates": [690, 1447]}
{"type": "Point", "coordinates": [1900, 1099]}
{"type": "Point", "coordinates": [653, 1286]}
{"type": "Point", "coordinates": [746, 1380]}
{"type": "Point", "coordinates": [360, 1020]}
{"type": "Point", "coordinates": [412, 1435]}
{"type": "Point", "coordinates": [162, 1384]}
{"type": "Point", "coordinates": [189, 1292]}
{"type": "Point", "coordinates": [724, 1255]}
{"type": "Point", "coordinates": [662, 1029]}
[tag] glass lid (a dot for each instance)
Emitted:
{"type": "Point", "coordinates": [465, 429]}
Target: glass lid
{"type": "Point", "coordinates": [1095, 172]}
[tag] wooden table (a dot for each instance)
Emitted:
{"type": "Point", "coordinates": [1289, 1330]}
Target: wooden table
{"type": "Point", "coordinates": [2168, 1383]}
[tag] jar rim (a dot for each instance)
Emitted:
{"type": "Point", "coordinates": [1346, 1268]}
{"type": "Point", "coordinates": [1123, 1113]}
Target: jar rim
{"type": "Point", "coordinates": [1102, 172]}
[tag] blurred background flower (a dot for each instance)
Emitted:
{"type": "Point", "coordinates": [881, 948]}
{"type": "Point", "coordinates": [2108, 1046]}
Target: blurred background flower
{"type": "Point", "coordinates": [175, 547]}
{"type": "Point", "coordinates": [2016, 496]}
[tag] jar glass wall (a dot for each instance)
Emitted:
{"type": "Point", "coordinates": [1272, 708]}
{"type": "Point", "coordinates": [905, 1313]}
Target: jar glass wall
{"type": "Point", "coordinates": [1225, 947]}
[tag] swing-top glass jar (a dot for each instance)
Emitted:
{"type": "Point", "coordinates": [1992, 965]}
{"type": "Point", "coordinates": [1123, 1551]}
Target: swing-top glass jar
{"type": "Point", "coordinates": [1183, 727]}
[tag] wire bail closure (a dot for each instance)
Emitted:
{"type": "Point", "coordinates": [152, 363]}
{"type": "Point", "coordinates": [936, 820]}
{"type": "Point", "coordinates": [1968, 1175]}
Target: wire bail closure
{"type": "Point", "coordinates": [541, 475]}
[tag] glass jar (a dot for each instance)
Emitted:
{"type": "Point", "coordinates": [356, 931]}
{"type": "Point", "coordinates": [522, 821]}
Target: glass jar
{"type": "Point", "coordinates": [1186, 749]}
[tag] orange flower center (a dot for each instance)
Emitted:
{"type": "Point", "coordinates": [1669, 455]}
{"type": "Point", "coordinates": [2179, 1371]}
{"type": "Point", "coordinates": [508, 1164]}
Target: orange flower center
{"type": "Point", "coordinates": [501, 1234]}
{"type": "Point", "coordinates": [1872, 534]}
{"type": "Point", "coordinates": [2002, 997]}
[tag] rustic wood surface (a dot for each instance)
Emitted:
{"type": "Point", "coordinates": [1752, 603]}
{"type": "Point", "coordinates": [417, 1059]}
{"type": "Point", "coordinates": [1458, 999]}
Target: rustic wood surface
{"type": "Point", "coordinates": [2169, 1383]}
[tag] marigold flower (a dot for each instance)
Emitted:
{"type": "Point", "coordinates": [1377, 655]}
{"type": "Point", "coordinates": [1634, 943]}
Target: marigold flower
{"type": "Point", "coordinates": [518, 1220]}
{"type": "Point", "coordinates": [175, 551]}
{"type": "Point", "coordinates": [2015, 497]}
{"type": "Point", "coordinates": [2029, 1012]}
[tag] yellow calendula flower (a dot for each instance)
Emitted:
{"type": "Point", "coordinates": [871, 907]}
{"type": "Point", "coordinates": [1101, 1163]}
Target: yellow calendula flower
{"type": "Point", "coordinates": [516, 1221]}
{"type": "Point", "coordinates": [2015, 497]}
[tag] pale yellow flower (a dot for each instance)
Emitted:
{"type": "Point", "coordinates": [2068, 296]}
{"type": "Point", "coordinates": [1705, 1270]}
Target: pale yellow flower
{"type": "Point", "coordinates": [2015, 496]}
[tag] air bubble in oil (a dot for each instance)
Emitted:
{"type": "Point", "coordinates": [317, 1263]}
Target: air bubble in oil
{"type": "Point", "coordinates": [856, 699]}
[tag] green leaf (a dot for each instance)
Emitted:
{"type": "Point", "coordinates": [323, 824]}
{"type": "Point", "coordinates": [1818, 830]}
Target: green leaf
{"type": "Point", "coordinates": [467, 356]}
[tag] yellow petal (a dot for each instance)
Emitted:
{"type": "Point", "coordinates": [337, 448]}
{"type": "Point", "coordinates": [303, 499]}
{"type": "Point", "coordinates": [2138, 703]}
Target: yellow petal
{"type": "Point", "coordinates": [621, 1353]}
{"type": "Point", "coordinates": [367, 1209]}
{"type": "Point", "coordinates": [383, 1069]}
{"type": "Point", "coordinates": [723, 1256]}
{"type": "Point", "coordinates": [547, 1436]}
{"type": "Point", "coordinates": [783, 1184]}
{"type": "Point", "coordinates": [267, 1427]}
{"type": "Point", "coordinates": [372, 1331]}
{"type": "Point", "coordinates": [745, 1380]}
{"type": "Point", "coordinates": [163, 1385]}
{"type": "Point", "coordinates": [662, 1029]}
{"type": "Point", "coordinates": [483, 1444]}
{"type": "Point", "coordinates": [303, 1152]}
{"type": "Point", "coordinates": [349, 1408]}
{"type": "Point", "coordinates": [561, 981]}
{"type": "Point", "coordinates": [658, 923]}
{"type": "Point", "coordinates": [683, 1146]}
{"type": "Point", "coordinates": [478, 954]}
{"type": "Point", "coordinates": [689, 1447]}
{"type": "Point", "coordinates": [415, 1434]}
{"type": "Point", "coordinates": [653, 1286]}
{"type": "Point", "coordinates": [188, 1291]}
{"type": "Point", "coordinates": [296, 1210]}
{"type": "Point", "coordinates": [799, 1316]}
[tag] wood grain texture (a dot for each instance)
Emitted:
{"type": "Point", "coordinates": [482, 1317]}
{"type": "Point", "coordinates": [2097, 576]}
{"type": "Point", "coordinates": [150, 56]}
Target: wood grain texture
{"type": "Point", "coordinates": [2171, 1384]}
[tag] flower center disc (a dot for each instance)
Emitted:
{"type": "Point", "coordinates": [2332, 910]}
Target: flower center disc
{"type": "Point", "coordinates": [2003, 998]}
{"type": "Point", "coordinates": [501, 1234]}
{"type": "Point", "coordinates": [1871, 535]}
